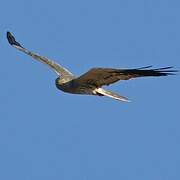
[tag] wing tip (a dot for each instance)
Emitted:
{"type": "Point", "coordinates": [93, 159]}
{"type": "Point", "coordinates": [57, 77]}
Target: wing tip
{"type": "Point", "coordinates": [164, 71]}
{"type": "Point", "coordinates": [11, 39]}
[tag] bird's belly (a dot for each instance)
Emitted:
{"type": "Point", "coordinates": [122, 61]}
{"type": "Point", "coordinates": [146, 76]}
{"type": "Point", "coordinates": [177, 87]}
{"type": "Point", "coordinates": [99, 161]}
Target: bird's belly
{"type": "Point", "coordinates": [74, 88]}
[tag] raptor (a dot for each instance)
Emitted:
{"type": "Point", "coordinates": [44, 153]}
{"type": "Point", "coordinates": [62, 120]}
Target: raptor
{"type": "Point", "coordinates": [91, 82]}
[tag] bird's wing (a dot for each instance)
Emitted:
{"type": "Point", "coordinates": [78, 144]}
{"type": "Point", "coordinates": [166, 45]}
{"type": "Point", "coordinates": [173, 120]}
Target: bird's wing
{"type": "Point", "coordinates": [56, 67]}
{"type": "Point", "coordinates": [98, 77]}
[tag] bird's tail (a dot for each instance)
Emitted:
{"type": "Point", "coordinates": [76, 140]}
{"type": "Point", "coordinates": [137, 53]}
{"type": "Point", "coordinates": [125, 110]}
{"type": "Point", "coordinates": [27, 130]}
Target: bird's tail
{"type": "Point", "coordinates": [103, 92]}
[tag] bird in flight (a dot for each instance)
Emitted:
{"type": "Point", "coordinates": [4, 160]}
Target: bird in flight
{"type": "Point", "coordinates": [92, 81]}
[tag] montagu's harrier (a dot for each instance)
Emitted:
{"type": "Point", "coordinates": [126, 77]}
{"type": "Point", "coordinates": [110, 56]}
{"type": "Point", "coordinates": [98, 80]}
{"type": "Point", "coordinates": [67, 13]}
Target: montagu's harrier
{"type": "Point", "coordinates": [92, 81]}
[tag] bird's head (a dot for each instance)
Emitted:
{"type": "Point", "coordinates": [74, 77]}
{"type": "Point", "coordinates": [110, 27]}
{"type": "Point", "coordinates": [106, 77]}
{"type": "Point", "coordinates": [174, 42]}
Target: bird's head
{"type": "Point", "coordinates": [60, 80]}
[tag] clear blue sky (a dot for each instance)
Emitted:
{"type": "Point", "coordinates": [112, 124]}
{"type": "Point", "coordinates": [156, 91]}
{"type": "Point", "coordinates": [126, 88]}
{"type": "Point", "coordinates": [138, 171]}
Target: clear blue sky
{"type": "Point", "coordinates": [47, 134]}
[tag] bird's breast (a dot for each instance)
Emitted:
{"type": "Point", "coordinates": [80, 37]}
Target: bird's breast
{"type": "Point", "coordinates": [74, 88]}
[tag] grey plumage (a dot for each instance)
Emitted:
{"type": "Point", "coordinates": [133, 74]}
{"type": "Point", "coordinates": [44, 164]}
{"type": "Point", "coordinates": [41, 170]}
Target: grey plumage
{"type": "Point", "coordinates": [92, 81]}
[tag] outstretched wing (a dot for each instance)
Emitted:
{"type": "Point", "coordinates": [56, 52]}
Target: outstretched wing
{"type": "Point", "coordinates": [61, 71]}
{"type": "Point", "coordinates": [98, 77]}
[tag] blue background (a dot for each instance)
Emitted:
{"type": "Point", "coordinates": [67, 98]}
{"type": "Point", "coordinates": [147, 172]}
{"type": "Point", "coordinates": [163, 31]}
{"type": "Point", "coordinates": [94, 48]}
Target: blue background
{"type": "Point", "coordinates": [47, 134]}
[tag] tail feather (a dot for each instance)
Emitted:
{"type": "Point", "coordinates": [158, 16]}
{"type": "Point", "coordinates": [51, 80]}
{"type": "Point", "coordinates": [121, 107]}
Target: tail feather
{"type": "Point", "coordinates": [110, 94]}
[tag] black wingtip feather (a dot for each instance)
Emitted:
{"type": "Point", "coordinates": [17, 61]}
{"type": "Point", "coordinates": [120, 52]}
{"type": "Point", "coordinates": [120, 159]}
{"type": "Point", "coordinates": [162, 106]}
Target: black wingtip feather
{"type": "Point", "coordinates": [164, 71]}
{"type": "Point", "coordinates": [12, 40]}
{"type": "Point", "coordinates": [145, 67]}
{"type": "Point", "coordinates": [164, 68]}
